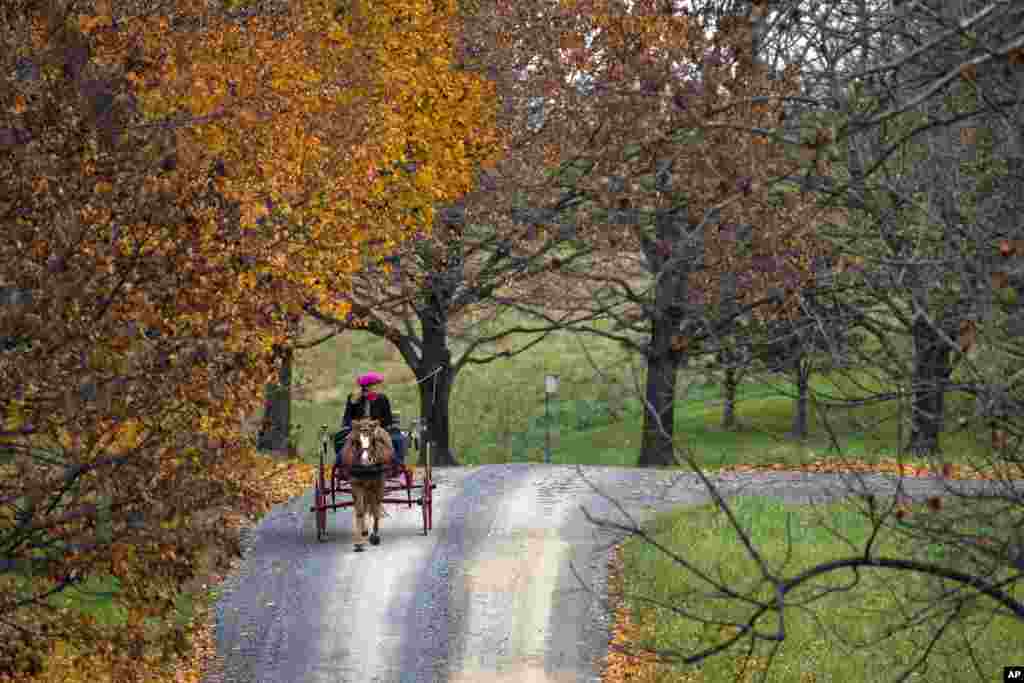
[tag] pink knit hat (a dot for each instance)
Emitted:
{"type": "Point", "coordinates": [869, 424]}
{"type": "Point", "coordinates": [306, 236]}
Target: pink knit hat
{"type": "Point", "coordinates": [370, 378]}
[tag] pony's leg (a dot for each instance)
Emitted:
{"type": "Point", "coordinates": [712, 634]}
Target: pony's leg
{"type": "Point", "coordinates": [366, 511]}
{"type": "Point", "coordinates": [378, 495]}
{"type": "Point", "coordinates": [358, 523]}
{"type": "Point", "coordinates": [369, 504]}
{"type": "Point", "coordinates": [375, 536]}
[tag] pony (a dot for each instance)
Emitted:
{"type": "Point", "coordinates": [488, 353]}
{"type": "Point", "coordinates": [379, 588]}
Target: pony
{"type": "Point", "coordinates": [365, 458]}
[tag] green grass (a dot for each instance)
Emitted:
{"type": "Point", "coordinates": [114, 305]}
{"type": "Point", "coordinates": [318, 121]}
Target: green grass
{"type": "Point", "coordinates": [497, 409]}
{"type": "Point", "coordinates": [810, 651]}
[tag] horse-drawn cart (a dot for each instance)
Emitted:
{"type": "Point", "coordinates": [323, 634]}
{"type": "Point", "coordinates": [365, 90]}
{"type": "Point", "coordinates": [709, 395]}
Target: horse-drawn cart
{"type": "Point", "coordinates": [336, 491]}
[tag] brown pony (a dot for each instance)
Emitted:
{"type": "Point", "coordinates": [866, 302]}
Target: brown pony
{"type": "Point", "coordinates": [368, 445]}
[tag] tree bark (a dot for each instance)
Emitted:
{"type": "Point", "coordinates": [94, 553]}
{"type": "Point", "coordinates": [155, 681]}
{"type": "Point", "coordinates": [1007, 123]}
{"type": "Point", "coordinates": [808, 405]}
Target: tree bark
{"type": "Point", "coordinates": [663, 362]}
{"type": "Point", "coordinates": [434, 407]}
{"type": "Point", "coordinates": [278, 408]}
{"type": "Point", "coordinates": [931, 373]}
{"type": "Point", "coordinates": [435, 387]}
{"type": "Point", "coordinates": [802, 372]}
{"type": "Point", "coordinates": [729, 385]}
{"type": "Point", "coordinates": [729, 412]}
{"type": "Point", "coordinates": [662, 368]}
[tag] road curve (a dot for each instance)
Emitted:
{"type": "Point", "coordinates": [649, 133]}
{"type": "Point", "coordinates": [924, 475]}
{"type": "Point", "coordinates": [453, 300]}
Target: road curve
{"type": "Point", "coordinates": [489, 595]}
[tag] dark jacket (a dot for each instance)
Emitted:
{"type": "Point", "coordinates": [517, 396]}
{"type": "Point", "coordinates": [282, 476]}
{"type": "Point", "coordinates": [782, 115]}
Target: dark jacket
{"type": "Point", "coordinates": [380, 408]}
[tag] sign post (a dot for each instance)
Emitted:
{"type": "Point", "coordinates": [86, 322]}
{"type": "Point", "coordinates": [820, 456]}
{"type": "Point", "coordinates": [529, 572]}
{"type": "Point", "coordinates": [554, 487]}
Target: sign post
{"type": "Point", "coordinates": [550, 388]}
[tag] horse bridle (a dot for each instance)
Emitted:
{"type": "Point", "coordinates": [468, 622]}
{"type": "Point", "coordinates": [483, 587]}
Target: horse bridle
{"type": "Point", "coordinates": [364, 441]}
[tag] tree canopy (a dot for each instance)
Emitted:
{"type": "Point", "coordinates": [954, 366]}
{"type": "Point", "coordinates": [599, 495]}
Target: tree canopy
{"type": "Point", "coordinates": [176, 183]}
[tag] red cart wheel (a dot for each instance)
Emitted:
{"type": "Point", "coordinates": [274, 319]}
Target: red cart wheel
{"type": "Point", "coordinates": [428, 503]}
{"type": "Point", "coordinates": [425, 504]}
{"type": "Point", "coordinates": [407, 477]}
{"type": "Point", "coordinates": [428, 496]}
{"type": "Point", "coordinates": [320, 496]}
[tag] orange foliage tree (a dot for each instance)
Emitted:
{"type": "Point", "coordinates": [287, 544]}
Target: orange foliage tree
{"type": "Point", "coordinates": [669, 136]}
{"type": "Point", "coordinates": [443, 287]}
{"type": "Point", "coordinates": [176, 185]}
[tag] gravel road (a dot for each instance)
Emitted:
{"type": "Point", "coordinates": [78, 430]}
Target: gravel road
{"type": "Point", "coordinates": [489, 595]}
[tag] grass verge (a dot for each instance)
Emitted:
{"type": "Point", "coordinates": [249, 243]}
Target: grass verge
{"type": "Point", "coordinates": [826, 642]}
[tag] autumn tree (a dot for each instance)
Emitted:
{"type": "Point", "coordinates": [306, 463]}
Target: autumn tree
{"type": "Point", "coordinates": [445, 136]}
{"type": "Point", "coordinates": [923, 104]}
{"type": "Point", "coordinates": [637, 111]}
{"type": "Point", "coordinates": [816, 338]}
{"type": "Point", "coordinates": [963, 549]}
{"type": "Point", "coordinates": [426, 290]}
{"type": "Point", "coordinates": [823, 336]}
{"type": "Point", "coordinates": [445, 287]}
{"type": "Point", "coordinates": [165, 175]}
{"type": "Point", "coordinates": [916, 183]}
{"type": "Point", "coordinates": [102, 421]}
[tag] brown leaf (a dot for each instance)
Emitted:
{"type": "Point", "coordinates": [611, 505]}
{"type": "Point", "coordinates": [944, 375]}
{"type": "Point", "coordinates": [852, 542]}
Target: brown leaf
{"type": "Point", "coordinates": [969, 72]}
{"type": "Point", "coordinates": [1000, 280]}
{"type": "Point", "coordinates": [968, 335]}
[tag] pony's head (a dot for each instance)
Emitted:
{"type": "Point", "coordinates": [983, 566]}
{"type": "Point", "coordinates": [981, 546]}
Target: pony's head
{"type": "Point", "coordinates": [371, 444]}
{"type": "Point", "coordinates": [363, 431]}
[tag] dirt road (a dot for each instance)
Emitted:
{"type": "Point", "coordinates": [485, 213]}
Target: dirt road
{"type": "Point", "coordinates": [489, 595]}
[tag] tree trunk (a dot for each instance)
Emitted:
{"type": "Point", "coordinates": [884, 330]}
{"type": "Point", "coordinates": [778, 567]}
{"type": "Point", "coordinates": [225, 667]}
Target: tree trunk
{"type": "Point", "coordinates": [662, 368]}
{"type": "Point", "coordinates": [435, 408]}
{"type": "Point", "coordinates": [729, 386]}
{"type": "Point", "coordinates": [802, 372]}
{"type": "Point", "coordinates": [931, 373]}
{"type": "Point", "coordinates": [729, 413]}
{"type": "Point", "coordinates": [663, 365]}
{"type": "Point", "coordinates": [278, 408]}
{"type": "Point", "coordinates": [436, 391]}
{"type": "Point", "coordinates": [663, 360]}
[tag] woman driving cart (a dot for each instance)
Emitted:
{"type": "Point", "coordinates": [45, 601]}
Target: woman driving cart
{"type": "Point", "coordinates": [363, 484]}
{"type": "Point", "coordinates": [379, 409]}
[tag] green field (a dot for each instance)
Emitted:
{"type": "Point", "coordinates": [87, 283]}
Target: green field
{"type": "Point", "coordinates": [497, 409]}
{"type": "Point", "coordinates": [827, 639]}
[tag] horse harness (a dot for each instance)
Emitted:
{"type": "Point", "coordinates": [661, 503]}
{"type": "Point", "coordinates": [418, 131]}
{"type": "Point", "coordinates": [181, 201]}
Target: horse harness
{"type": "Point", "coordinates": [369, 466]}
